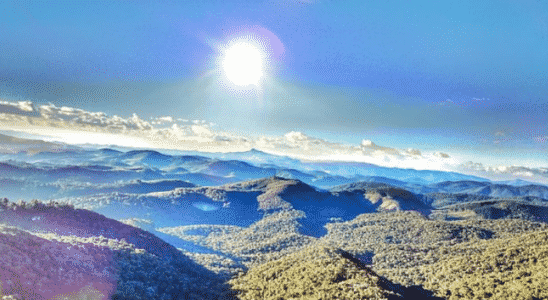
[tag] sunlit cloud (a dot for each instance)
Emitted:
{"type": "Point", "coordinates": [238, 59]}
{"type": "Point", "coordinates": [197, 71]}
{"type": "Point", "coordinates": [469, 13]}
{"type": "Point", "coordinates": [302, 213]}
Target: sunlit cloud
{"type": "Point", "coordinates": [161, 120]}
{"type": "Point", "coordinates": [502, 172]}
{"type": "Point", "coordinates": [462, 102]}
{"type": "Point", "coordinates": [19, 108]}
{"type": "Point", "coordinates": [441, 155]}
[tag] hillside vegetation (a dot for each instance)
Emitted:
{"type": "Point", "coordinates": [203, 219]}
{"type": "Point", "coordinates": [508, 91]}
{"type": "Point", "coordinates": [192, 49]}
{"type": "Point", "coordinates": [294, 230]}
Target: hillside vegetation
{"type": "Point", "coordinates": [379, 256]}
{"type": "Point", "coordinates": [317, 272]}
{"type": "Point", "coordinates": [508, 268]}
{"type": "Point", "coordinates": [52, 251]}
{"type": "Point", "coordinates": [403, 254]}
{"type": "Point", "coordinates": [382, 255]}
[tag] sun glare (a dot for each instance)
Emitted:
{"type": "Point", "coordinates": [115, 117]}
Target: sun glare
{"type": "Point", "coordinates": [243, 64]}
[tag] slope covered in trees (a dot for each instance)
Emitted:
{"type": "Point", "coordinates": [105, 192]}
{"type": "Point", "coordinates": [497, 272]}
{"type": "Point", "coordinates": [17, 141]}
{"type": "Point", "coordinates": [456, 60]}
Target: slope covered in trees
{"type": "Point", "coordinates": [51, 250]}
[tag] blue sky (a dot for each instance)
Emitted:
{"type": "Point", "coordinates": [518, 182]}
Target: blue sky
{"type": "Point", "coordinates": [463, 77]}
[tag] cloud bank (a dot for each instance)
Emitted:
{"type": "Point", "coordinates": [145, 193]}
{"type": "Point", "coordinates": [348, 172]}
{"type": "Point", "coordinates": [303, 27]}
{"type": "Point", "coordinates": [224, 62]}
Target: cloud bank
{"type": "Point", "coordinates": [539, 174]}
{"type": "Point", "coordinates": [78, 126]}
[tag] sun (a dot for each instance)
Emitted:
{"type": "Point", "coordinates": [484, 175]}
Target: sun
{"type": "Point", "coordinates": [243, 64]}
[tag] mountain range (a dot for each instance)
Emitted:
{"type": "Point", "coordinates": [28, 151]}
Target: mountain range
{"type": "Point", "coordinates": [142, 224]}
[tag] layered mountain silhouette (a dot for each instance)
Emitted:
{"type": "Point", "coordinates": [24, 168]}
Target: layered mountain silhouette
{"type": "Point", "coordinates": [501, 209]}
{"type": "Point", "coordinates": [144, 224]}
{"type": "Point", "coordinates": [491, 189]}
{"type": "Point", "coordinates": [13, 145]}
{"type": "Point", "coordinates": [225, 167]}
{"type": "Point", "coordinates": [246, 202]}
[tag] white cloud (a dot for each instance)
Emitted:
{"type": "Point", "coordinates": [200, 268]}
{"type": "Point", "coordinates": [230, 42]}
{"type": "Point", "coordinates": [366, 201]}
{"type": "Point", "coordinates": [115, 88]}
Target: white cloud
{"type": "Point", "coordinates": [96, 120]}
{"type": "Point", "coordinates": [524, 173]}
{"type": "Point", "coordinates": [21, 108]}
{"type": "Point", "coordinates": [441, 155]}
{"type": "Point", "coordinates": [368, 147]}
{"type": "Point", "coordinates": [23, 105]}
{"type": "Point", "coordinates": [73, 125]}
{"type": "Point", "coordinates": [302, 146]}
{"type": "Point", "coordinates": [412, 151]}
{"type": "Point", "coordinates": [161, 120]}
{"type": "Point", "coordinates": [501, 172]}
{"type": "Point", "coordinates": [166, 119]}
{"type": "Point", "coordinates": [203, 131]}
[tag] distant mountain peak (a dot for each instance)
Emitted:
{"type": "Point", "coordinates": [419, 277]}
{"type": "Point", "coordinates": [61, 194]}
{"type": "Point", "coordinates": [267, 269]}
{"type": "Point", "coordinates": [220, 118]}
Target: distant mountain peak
{"type": "Point", "coordinates": [257, 151]}
{"type": "Point", "coordinates": [264, 184]}
{"type": "Point", "coordinates": [360, 186]}
{"type": "Point", "coordinates": [518, 182]}
{"type": "Point", "coordinates": [108, 150]}
{"type": "Point", "coordinates": [147, 151]}
{"type": "Point", "coordinates": [11, 144]}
